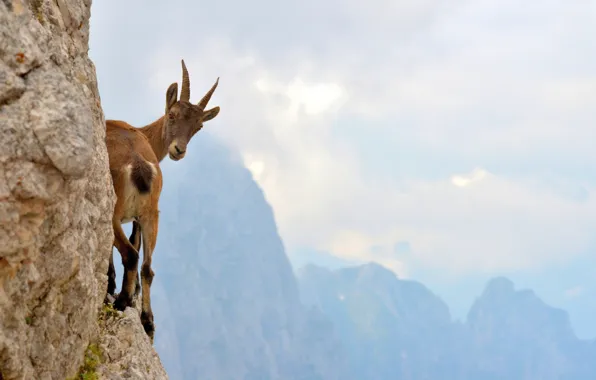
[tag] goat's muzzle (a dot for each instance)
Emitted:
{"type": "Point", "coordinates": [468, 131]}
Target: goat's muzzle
{"type": "Point", "coordinates": [175, 152]}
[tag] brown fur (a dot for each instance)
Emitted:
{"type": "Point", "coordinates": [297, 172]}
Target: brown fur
{"type": "Point", "coordinates": [128, 150]}
{"type": "Point", "coordinates": [134, 155]}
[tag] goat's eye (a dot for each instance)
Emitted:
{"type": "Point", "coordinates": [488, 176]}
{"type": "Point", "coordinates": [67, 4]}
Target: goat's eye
{"type": "Point", "coordinates": [171, 115]}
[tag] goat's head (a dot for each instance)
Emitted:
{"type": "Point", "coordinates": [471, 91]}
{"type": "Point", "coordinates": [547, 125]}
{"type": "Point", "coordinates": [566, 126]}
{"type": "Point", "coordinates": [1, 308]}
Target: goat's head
{"type": "Point", "coordinates": [183, 119]}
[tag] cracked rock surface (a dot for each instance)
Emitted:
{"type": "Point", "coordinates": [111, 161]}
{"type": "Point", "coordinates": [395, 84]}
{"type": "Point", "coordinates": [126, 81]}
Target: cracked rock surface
{"type": "Point", "coordinates": [126, 349]}
{"type": "Point", "coordinates": [56, 196]}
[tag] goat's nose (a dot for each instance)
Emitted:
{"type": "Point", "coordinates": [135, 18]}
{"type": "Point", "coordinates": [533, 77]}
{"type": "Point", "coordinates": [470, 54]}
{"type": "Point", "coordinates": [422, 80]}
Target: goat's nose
{"type": "Point", "coordinates": [178, 149]}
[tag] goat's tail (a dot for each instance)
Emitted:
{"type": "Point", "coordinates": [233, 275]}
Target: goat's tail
{"type": "Point", "coordinates": [141, 174]}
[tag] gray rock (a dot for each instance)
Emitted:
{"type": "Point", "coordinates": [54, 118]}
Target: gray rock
{"type": "Point", "coordinates": [126, 349]}
{"type": "Point", "coordinates": [56, 197]}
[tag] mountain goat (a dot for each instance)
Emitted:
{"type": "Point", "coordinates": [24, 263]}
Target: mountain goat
{"type": "Point", "coordinates": [134, 156]}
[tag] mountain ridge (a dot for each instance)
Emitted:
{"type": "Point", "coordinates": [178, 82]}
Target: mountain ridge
{"type": "Point", "coordinates": [509, 333]}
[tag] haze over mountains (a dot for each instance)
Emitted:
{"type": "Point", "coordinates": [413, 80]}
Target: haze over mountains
{"type": "Point", "coordinates": [229, 306]}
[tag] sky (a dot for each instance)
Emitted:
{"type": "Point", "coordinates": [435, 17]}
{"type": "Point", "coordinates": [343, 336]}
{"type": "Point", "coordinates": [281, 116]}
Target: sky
{"type": "Point", "coordinates": [448, 140]}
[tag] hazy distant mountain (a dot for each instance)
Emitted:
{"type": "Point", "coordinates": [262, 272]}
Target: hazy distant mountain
{"type": "Point", "coordinates": [396, 329]}
{"type": "Point", "coordinates": [391, 329]}
{"type": "Point", "coordinates": [299, 258]}
{"type": "Point", "coordinates": [517, 336]}
{"type": "Point", "coordinates": [226, 301]}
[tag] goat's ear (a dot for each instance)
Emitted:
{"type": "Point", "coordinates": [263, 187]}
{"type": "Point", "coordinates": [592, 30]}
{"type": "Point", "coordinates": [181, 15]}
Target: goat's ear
{"type": "Point", "coordinates": [210, 114]}
{"type": "Point", "coordinates": [171, 96]}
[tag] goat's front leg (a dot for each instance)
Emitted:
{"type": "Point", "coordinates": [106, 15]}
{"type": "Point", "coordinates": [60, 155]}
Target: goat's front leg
{"type": "Point", "coordinates": [130, 261]}
{"type": "Point", "coordinates": [149, 224]}
{"type": "Point", "coordinates": [135, 240]}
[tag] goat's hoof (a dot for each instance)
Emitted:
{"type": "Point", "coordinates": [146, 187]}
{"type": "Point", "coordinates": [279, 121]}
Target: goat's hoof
{"type": "Point", "coordinates": [150, 330]}
{"type": "Point", "coordinates": [122, 302]}
{"type": "Point", "coordinates": [148, 325]}
{"type": "Point", "coordinates": [111, 286]}
{"type": "Point", "coordinates": [150, 333]}
{"type": "Point", "coordinates": [109, 299]}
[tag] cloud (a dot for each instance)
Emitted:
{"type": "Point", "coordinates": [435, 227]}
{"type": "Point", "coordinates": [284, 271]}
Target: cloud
{"type": "Point", "coordinates": [574, 292]}
{"type": "Point", "coordinates": [315, 99]}
{"type": "Point", "coordinates": [463, 181]}
{"type": "Point", "coordinates": [462, 128]}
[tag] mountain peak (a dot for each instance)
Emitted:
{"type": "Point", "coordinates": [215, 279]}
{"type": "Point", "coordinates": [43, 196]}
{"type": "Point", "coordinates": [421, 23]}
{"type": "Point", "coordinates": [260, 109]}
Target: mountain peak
{"type": "Point", "coordinates": [312, 270]}
{"type": "Point", "coordinates": [499, 286]}
{"type": "Point", "coordinates": [374, 268]}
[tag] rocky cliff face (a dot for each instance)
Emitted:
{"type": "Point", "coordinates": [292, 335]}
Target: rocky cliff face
{"type": "Point", "coordinates": [56, 197]}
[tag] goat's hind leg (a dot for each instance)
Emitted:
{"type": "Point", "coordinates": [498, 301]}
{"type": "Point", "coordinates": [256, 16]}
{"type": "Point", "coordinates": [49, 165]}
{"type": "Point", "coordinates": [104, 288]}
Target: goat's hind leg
{"type": "Point", "coordinates": [135, 240]}
{"type": "Point", "coordinates": [130, 261]}
{"type": "Point", "coordinates": [149, 225]}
